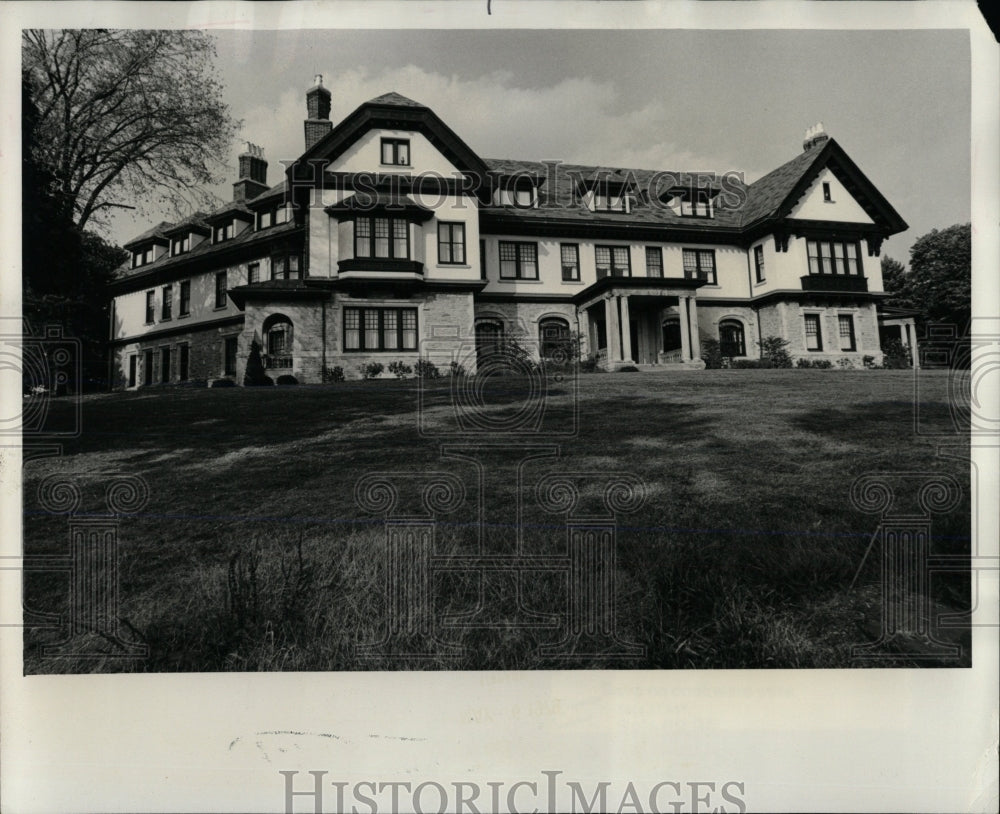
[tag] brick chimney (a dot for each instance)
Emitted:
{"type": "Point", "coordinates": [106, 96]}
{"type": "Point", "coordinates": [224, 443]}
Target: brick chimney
{"type": "Point", "coordinates": [815, 135]}
{"type": "Point", "coordinates": [253, 174]}
{"type": "Point", "coordinates": [318, 124]}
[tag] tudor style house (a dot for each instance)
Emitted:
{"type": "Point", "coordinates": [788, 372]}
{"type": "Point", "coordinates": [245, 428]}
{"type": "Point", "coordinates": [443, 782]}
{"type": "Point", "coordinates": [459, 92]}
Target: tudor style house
{"type": "Point", "coordinates": [390, 239]}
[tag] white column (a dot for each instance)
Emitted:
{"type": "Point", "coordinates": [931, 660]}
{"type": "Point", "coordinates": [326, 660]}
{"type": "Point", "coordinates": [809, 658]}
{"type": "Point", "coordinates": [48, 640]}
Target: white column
{"type": "Point", "coordinates": [583, 327]}
{"type": "Point", "coordinates": [911, 342]}
{"type": "Point", "coordinates": [626, 331]}
{"type": "Point", "coordinates": [685, 344]}
{"type": "Point", "coordinates": [611, 329]}
{"type": "Point", "coordinates": [693, 319]}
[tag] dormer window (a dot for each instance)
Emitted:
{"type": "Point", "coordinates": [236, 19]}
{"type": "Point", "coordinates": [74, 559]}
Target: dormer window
{"type": "Point", "coordinates": [267, 218]}
{"type": "Point", "coordinates": [142, 258]}
{"type": "Point", "coordinates": [396, 152]}
{"type": "Point", "coordinates": [224, 231]}
{"type": "Point", "coordinates": [179, 245]}
{"type": "Point", "coordinates": [610, 197]}
{"type": "Point", "coordinates": [696, 203]}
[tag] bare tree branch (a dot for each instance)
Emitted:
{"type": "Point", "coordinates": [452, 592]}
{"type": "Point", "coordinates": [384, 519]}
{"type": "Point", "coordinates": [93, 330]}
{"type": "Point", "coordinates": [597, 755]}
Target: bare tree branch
{"type": "Point", "coordinates": [124, 116]}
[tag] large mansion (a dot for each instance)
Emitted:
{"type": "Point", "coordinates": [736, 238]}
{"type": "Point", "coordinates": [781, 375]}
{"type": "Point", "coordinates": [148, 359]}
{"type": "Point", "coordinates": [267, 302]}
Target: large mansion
{"type": "Point", "coordinates": [390, 239]}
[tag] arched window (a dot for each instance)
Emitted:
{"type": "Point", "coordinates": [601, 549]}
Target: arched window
{"type": "Point", "coordinates": [278, 341]}
{"type": "Point", "coordinates": [553, 339]}
{"type": "Point", "coordinates": [731, 339]}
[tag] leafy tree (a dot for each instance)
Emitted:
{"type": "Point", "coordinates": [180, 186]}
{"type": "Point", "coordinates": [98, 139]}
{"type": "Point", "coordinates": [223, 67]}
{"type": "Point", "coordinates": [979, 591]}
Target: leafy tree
{"type": "Point", "coordinates": [939, 282]}
{"type": "Point", "coordinates": [125, 116]}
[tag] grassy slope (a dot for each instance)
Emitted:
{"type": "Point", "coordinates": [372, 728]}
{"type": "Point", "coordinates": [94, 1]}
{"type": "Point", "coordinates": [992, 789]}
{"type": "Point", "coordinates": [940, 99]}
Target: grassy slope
{"type": "Point", "coordinates": [742, 556]}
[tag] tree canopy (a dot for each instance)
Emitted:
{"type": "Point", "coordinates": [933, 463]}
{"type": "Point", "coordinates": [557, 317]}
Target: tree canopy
{"type": "Point", "coordinates": [123, 117]}
{"type": "Point", "coordinates": [939, 282]}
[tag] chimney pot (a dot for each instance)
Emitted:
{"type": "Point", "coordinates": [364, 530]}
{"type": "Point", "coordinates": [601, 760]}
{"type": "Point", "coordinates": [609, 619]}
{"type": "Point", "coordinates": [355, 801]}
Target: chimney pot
{"type": "Point", "coordinates": [814, 135]}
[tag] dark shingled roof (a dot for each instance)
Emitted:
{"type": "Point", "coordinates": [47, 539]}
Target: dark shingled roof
{"type": "Point", "coordinates": [766, 195]}
{"type": "Point", "coordinates": [149, 234]}
{"type": "Point", "coordinates": [646, 209]}
{"type": "Point", "coordinates": [393, 98]}
{"type": "Point", "coordinates": [205, 247]}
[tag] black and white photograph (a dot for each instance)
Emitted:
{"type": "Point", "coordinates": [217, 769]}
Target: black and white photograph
{"type": "Point", "coordinates": [456, 356]}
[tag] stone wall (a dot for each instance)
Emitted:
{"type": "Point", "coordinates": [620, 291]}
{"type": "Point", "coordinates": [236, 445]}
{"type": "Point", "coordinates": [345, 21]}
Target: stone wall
{"type": "Point", "coordinates": [206, 360]}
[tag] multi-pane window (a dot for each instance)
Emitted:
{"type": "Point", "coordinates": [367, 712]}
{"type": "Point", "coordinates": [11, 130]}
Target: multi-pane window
{"type": "Point", "coordinates": [758, 261]}
{"type": "Point", "coordinates": [253, 273]}
{"type": "Point", "coordinates": [834, 257]}
{"type": "Point", "coordinates": [699, 264]}
{"type": "Point", "coordinates": [150, 306]}
{"type": "Point", "coordinates": [654, 261]}
{"type": "Point", "coordinates": [732, 340]}
{"type": "Point", "coordinates": [396, 151]}
{"type": "Point", "coordinates": [451, 242]}
{"type": "Point", "coordinates": [845, 324]}
{"type": "Point", "coordinates": [184, 306]}
{"type": "Point", "coordinates": [380, 329]}
{"type": "Point", "coordinates": [166, 309]}
{"type": "Point", "coordinates": [221, 285]}
{"type": "Point", "coordinates": [286, 267]}
{"type": "Point", "coordinates": [382, 237]}
{"type": "Point", "coordinates": [181, 244]}
{"type": "Point", "coordinates": [518, 261]}
{"type": "Point", "coordinates": [612, 261]}
{"type": "Point", "coordinates": [570, 256]}
{"type": "Point", "coordinates": [814, 339]}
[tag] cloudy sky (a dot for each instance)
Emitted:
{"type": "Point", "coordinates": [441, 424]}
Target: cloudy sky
{"type": "Point", "coordinates": [897, 101]}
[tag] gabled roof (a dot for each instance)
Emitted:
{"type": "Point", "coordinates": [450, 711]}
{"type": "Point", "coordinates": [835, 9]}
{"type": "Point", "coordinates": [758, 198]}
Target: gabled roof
{"type": "Point", "coordinates": [195, 222]}
{"type": "Point", "coordinates": [391, 111]}
{"type": "Point", "coordinates": [774, 196]}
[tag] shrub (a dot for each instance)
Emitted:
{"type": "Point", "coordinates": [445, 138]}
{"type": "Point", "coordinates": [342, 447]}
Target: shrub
{"type": "Point", "coordinates": [818, 364]}
{"type": "Point", "coordinates": [711, 354]}
{"type": "Point", "coordinates": [456, 369]}
{"type": "Point", "coordinates": [287, 379]}
{"type": "Point", "coordinates": [426, 369]}
{"type": "Point", "coordinates": [754, 364]}
{"type": "Point", "coordinates": [868, 361]}
{"type": "Point", "coordinates": [845, 364]}
{"type": "Point", "coordinates": [254, 376]}
{"type": "Point", "coordinates": [895, 355]}
{"type": "Point", "coordinates": [223, 383]}
{"type": "Point", "coordinates": [775, 350]}
{"type": "Point", "coordinates": [400, 369]}
{"type": "Point", "coordinates": [588, 365]}
{"type": "Point", "coordinates": [628, 369]}
{"type": "Point", "coordinates": [333, 374]}
{"type": "Point", "coordinates": [371, 370]}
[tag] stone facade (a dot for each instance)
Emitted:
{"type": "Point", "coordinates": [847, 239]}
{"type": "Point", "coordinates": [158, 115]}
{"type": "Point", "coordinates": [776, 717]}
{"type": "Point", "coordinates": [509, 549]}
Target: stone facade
{"type": "Point", "coordinates": [206, 357]}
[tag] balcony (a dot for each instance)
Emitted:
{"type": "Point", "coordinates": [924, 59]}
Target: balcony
{"type": "Point", "coordinates": [852, 283]}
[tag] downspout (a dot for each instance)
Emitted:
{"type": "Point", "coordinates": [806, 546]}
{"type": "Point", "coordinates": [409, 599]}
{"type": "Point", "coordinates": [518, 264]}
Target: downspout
{"type": "Point", "coordinates": [322, 371]}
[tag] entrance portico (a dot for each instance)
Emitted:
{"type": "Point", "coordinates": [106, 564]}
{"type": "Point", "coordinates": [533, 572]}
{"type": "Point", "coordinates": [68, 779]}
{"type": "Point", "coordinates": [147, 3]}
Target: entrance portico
{"type": "Point", "coordinates": [641, 321]}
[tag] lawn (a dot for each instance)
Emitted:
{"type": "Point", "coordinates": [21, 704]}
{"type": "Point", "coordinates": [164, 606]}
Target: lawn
{"type": "Point", "coordinates": [254, 554]}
